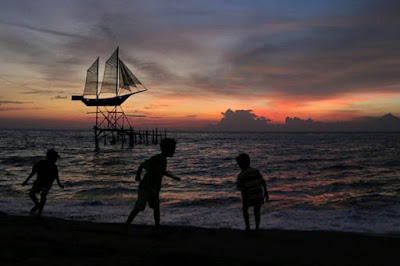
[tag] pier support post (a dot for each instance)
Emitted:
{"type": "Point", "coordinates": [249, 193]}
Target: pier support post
{"type": "Point", "coordinates": [131, 137]}
{"type": "Point", "coordinates": [96, 138]}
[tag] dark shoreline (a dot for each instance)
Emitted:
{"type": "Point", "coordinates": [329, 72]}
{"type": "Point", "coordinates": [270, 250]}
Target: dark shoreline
{"type": "Point", "coordinates": [50, 241]}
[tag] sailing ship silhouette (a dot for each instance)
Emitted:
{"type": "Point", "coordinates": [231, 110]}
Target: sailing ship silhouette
{"type": "Point", "coordinates": [117, 79]}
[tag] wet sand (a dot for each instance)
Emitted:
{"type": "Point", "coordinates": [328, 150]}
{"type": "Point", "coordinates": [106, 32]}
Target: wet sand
{"type": "Point", "coordinates": [49, 241]}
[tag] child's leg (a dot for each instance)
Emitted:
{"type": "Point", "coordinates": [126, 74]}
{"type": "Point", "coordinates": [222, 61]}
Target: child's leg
{"type": "Point", "coordinates": [140, 205]}
{"type": "Point", "coordinates": [257, 215]}
{"type": "Point", "coordinates": [245, 209]}
{"type": "Point", "coordinates": [132, 216]}
{"type": "Point", "coordinates": [32, 195]}
{"type": "Point", "coordinates": [157, 216]}
{"type": "Point", "coordinates": [154, 203]}
{"type": "Point", "coordinates": [43, 197]}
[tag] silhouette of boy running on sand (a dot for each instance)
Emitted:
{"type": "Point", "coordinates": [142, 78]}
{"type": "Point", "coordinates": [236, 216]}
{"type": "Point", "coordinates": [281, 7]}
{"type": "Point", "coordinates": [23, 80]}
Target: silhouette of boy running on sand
{"type": "Point", "coordinates": [150, 185]}
{"type": "Point", "coordinates": [253, 188]}
{"type": "Point", "coordinates": [46, 171]}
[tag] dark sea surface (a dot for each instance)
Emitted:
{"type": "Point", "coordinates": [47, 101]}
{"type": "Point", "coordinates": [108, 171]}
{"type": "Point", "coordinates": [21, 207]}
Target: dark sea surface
{"type": "Point", "coordinates": [316, 181]}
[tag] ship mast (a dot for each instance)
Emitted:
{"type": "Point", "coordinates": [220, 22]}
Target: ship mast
{"type": "Point", "coordinates": [97, 92]}
{"type": "Point", "coordinates": [116, 80]}
{"type": "Point", "coordinates": [116, 89]}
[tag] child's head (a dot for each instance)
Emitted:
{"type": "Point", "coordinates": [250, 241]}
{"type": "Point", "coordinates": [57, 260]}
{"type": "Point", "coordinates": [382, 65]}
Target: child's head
{"type": "Point", "coordinates": [243, 160]}
{"type": "Point", "coordinates": [52, 155]}
{"type": "Point", "coordinates": [168, 146]}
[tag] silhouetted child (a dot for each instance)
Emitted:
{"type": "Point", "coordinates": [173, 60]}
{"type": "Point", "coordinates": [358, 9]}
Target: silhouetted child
{"type": "Point", "coordinates": [150, 185]}
{"type": "Point", "coordinates": [46, 171]}
{"type": "Point", "coordinates": [253, 188]}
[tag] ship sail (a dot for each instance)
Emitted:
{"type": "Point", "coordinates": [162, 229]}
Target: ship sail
{"type": "Point", "coordinates": [126, 77]}
{"type": "Point", "coordinates": [92, 79]}
{"type": "Point", "coordinates": [110, 81]}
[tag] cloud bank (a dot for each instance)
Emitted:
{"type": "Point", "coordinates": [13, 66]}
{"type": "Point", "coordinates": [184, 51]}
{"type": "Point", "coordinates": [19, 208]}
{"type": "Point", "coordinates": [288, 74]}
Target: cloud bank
{"type": "Point", "coordinates": [246, 120]}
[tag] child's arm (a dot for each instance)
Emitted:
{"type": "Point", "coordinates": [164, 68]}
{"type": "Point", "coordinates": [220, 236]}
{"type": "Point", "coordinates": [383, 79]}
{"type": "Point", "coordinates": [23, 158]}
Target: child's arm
{"type": "Point", "coordinates": [239, 184]}
{"type": "Point", "coordinates": [266, 195]}
{"type": "Point", "coordinates": [264, 184]}
{"type": "Point", "coordinates": [58, 181]}
{"type": "Point", "coordinates": [139, 172]}
{"type": "Point", "coordinates": [172, 176]}
{"type": "Point", "coordinates": [33, 172]}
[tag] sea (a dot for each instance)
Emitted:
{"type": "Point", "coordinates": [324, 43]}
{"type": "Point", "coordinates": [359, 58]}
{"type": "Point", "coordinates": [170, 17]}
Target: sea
{"type": "Point", "coordinates": [316, 181]}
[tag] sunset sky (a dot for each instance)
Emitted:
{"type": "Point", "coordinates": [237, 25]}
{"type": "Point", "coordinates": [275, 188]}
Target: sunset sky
{"type": "Point", "coordinates": [330, 60]}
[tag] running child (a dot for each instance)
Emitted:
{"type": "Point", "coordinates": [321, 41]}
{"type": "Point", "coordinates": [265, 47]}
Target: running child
{"type": "Point", "coordinates": [47, 172]}
{"type": "Point", "coordinates": [150, 185]}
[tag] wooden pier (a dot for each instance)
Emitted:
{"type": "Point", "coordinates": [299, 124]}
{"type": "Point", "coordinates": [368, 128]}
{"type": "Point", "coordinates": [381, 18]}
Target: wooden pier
{"type": "Point", "coordinates": [131, 136]}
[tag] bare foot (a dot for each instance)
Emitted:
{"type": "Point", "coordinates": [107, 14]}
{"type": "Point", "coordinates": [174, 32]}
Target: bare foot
{"type": "Point", "coordinates": [33, 210]}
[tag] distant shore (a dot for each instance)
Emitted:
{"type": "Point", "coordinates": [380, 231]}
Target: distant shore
{"type": "Point", "coordinates": [50, 241]}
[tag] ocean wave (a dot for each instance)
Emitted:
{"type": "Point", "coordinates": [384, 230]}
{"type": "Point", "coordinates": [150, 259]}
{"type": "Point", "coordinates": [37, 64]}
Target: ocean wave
{"type": "Point", "coordinates": [335, 189]}
{"type": "Point", "coordinates": [94, 182]}
{"type": "Point", "coordinates": [337, 186]}
{"type": "Point", "coordinates": [90, 203]}
{"type": "Point", "coordinates": [204, 202]}
{"type": "Point", "coordinates": [27, 161]}
{"type": "Point", "coordinates": [373, 201]}
{"type": "Point", "coordinates": [281, 180]}
{"type": "Point", "coordinates": [9, 190]}
{"type": "Point", "coordinates": [313, 160]}
{"type": "Point", "coordinates": [394, 163]}
{"type": "Point", "coordinates": [340, 167]}
{"type": "Point", "coordinates": [104, 191]}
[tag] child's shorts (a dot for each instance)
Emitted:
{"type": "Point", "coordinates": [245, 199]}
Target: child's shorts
{"type": "Point", "coordinates": [147, 196]}
{"type": "Point", "coordinates": [36, 189]}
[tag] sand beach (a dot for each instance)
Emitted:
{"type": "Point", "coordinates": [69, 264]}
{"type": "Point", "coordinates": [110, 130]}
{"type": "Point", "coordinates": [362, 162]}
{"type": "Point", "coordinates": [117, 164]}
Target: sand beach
{"type": "Point", "coordinates": [50, 241]}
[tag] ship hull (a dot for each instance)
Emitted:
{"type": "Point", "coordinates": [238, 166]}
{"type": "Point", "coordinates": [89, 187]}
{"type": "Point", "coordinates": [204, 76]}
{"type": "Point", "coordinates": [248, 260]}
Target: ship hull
{"type": "Point", "coordinates": [114, 101]}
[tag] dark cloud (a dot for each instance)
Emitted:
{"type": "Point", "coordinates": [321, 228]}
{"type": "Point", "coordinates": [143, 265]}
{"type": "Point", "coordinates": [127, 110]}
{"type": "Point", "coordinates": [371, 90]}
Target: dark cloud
{"type": "Point", "coordinates": [387, 122]}
{"type": "Point", "coordinates": [155, 106]}
{"type": "Point", "coordinates": [141, 30]}
{"type": "Point", "coordinates": [23, 123]}
{"type": "Point", "coordinates": [298, 121]}
{"type": "Point", "coordinates": [316, 57]}
{"type": "Point", "coordinates": [136, 115]}
{"type": "Point", "coordinates": [12, 102]}
{"type": "Point", "coordinates": [7, 109]}
{"type": "Point", "coordinates": [241, 120]}
{"type": "Point", "coordinates": [43, 91]}
{"type": "Point", "coordinates": [357, 53]}
{"type": "Point", "coordinates": [296, 124]}
{"type": "Point", "coordinates": [41, 30]}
